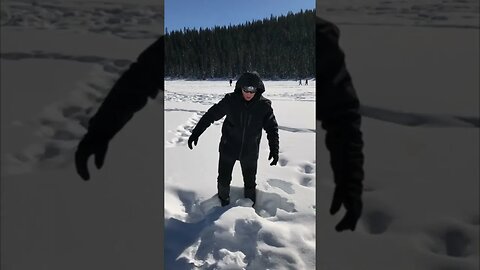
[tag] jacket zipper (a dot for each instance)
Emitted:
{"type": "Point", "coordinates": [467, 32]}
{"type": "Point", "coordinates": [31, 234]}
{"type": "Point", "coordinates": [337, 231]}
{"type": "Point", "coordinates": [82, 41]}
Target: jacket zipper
{"type": "Point", "coordinates": [245, 124]}
{"type": "Point", "coordinates": [243, 136]}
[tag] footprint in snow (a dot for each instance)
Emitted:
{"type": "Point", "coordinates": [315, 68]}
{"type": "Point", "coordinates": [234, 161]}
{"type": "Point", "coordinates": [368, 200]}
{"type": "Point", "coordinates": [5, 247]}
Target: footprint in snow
{"type": "Point", "coordinates": [268, 203]}
{"type": "Point", "coordinates": [281, 184]}
{"type": "Point", "coordinates": [452, 241]}
{"type": "Point", "coordinates": [307, 168]}
{"type": "Point", "coordinates": [60, 127]}
{"type": "Point", "coordinates": [377, 221]}
{"type": "Point", "coordinates": [184, 131]}
{"type": "Point", "coordinates": [283, 161]}
{"type": "Point", "coordinates": [307, 181]}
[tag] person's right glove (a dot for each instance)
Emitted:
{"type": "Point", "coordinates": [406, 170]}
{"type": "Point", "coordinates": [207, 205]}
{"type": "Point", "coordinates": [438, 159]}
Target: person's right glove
{"type": "Point", "coordinates": [192, 139]}
{"type": "Point", "coordinates": [87, 147]}
{"type": "Point", "coordinates": [275, 158]}
{"type": "Point", "coordinates": [351, 200]}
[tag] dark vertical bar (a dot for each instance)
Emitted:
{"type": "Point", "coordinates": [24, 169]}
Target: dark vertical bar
{"type": "Point", "coordinates": [410, 70]}
{"type": "Point", "coordinates": [73, 75]}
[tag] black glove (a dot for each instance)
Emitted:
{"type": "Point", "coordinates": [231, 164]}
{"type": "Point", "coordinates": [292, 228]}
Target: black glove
{"type": "Point", "coordinates": [85, 149]}
{"type": "Point", "coordinates": [193, 138]}
{"type": "Point", "coordinates": [275, 158]}
{"type": "Point", "coordinates": [351, 200]}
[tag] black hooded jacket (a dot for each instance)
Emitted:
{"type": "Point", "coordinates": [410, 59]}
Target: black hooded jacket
{"type": "Point", "coordinates": [242, 127]}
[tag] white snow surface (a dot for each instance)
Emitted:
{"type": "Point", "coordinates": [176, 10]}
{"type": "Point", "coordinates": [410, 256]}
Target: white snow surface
{"type": "Point", "coordinates": [421, 108]}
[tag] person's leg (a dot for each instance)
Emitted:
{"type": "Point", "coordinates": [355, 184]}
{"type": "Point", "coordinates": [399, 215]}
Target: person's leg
{"type": "Point", "coordinates": [249, 171]}
{"type": "Point", "coordinates": [225, 168]}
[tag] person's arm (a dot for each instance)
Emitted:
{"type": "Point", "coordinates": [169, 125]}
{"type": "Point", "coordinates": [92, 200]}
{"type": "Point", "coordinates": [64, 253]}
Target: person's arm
{"type": "Point", "coordinates": [338, 109]}
{"type": "Point", "coordinates": [130, 93]}
{"type": "Point", "coordinates": [215, 113]}
{"type": "Point", "coordinates": [142, 80]}
{"type": "Point", "coordinates": [271, 128]}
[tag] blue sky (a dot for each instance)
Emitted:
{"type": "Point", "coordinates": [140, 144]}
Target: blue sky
{"type": "Point", "coordinates": [208, 13]}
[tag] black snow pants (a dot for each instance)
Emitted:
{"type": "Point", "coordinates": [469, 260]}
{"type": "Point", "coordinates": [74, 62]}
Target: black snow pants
{"type": "Point", "coordinates": [225, 169]}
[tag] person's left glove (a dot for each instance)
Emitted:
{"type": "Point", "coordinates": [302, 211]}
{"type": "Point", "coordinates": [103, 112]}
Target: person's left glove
{"type": "Point", "coordinates": [351, 199]}
{"type": "Point", "coordinates": [273, 156]}
{"type": "Point", "coordinates": [192, 139]}
{"type": "Point", "coordinates": [87, 147]}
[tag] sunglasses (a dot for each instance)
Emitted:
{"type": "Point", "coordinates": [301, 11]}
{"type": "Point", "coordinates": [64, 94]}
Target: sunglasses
{"type": "Point", "coordinates": [249, 89]}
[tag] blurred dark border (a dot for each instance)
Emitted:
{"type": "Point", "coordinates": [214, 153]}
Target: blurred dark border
{"type": "Point", "coordinates": [50, 218]}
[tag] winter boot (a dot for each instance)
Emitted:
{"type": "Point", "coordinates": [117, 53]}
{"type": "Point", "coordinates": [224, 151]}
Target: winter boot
{"type": "Point", "coordinates": [224, 194]}
{"type": "Point", "coordinates": [224, 202]}
{"type": "Point", "coordinates": [250, 193]}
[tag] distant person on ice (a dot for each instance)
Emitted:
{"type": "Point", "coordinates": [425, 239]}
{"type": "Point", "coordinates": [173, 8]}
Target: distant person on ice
{"type": "Point", "coordinates": [337, 109]}
{"type": "Point", "coordinates": [247, 112]}
{"type": "Point", "coordinates": [231, 82]}
{"type": "Point", "coordinates": [306, 82]}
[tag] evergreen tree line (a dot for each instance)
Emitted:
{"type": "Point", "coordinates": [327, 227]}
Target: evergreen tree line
{"type": "Point", "coordinates": [279, 47]}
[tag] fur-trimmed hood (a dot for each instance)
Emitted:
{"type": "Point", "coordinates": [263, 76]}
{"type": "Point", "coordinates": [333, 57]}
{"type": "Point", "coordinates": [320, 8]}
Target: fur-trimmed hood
{"type": "Point", "coordinates": [250, 79]}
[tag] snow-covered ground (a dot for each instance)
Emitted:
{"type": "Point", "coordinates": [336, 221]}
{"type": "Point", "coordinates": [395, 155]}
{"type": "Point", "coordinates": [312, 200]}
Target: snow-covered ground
{"type": "Point", "coordinates": [408, 13]}
{"type": "Point", "coordinates": [58, 60]}
{"type": "Point", "coordinates": [421, 107]}
{"type": "Point", "coordinates": [421, 193]}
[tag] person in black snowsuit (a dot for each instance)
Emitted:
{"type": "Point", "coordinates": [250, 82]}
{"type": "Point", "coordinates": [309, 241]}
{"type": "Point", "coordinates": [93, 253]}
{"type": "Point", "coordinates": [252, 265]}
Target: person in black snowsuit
{"type": "Point", "coordinates": [337, 107]}
{"type": "Point", "coordinates": [247, 112]}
